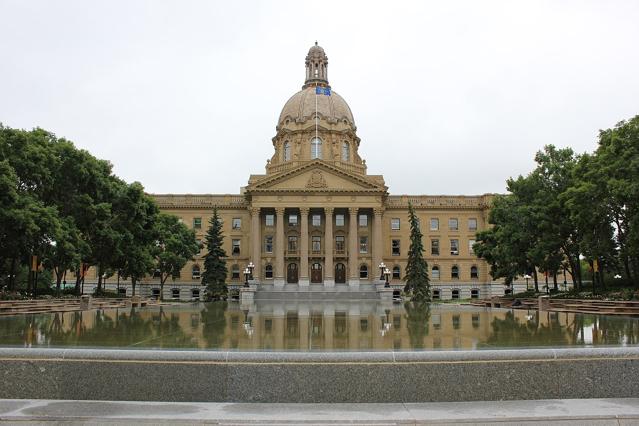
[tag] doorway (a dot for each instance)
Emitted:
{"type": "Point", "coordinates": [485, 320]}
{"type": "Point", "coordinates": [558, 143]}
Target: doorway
{"type": "Point", "coordinates": [316, 273]}
{"type": "Point", "coordinates": [291, 273]}
{"type": "Point", "coordinates": [340, 273]}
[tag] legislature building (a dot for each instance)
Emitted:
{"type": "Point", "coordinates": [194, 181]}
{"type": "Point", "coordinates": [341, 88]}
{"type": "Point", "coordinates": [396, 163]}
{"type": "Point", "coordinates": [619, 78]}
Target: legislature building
{"type": "Point", "coordinates": [316, 219]}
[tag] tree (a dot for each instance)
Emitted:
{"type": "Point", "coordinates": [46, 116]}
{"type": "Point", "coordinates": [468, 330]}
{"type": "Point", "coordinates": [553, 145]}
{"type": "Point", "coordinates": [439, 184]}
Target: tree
{"type": "Point", "coordinates": [175, 245]}
{"type": "Point", "coordinates": [417, 281]}
{"type": "Point", "coordinates": [215, 272]}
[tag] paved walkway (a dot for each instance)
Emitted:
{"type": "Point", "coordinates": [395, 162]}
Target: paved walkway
{"type": "Point", "coordinates": [588, 412]}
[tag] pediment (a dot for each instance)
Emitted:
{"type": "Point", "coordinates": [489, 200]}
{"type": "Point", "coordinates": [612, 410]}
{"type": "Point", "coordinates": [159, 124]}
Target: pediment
{"type": "Point", "coordinates": [317, 176]}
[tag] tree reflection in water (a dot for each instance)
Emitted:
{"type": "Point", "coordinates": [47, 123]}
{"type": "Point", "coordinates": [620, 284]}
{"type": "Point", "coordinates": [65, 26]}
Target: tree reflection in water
{"type": "Point", "coordinates": [214, 320]}
{"type": "Point", "coordinates": [417, 317]}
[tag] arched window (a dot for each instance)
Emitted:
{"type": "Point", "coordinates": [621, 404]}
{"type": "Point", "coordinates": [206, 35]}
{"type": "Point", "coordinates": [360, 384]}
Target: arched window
{"type": "Point", "coordinates": [363, 271]}
{"type": "Point", "coordinates": [287, 151]}
{"type": "Point", "coordinates": [195, 272]}
{"type": "Point", "coordinates": [474, 272]}
{"type": "Point", "coordinates": [268, 271]}
{"type": "Point", "coordinates": [455, 294]}
{"type": "Point", "coordinates": [316, 148]}
{"type": "Point", "coordinates": [396, 272]}
{"type": "Point", "coordinates": [435, 273]}
{"type": "Point", "coordinates": [346, 155]}
{"type": "Point", "coordinates": [235, 272]}
{"type": "Point", "coordinates": [454, 272]}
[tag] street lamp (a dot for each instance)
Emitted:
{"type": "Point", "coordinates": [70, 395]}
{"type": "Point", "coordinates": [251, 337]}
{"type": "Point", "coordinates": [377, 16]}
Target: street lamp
{"type": "Point", "coordinates": [246, 277]}
{"type": "Point", "coordinates": [381, 267]}
{"type": "Point", "coordinates": [251, 267]}
{"type": "Point", "coordinates": [527, 277]}
{"type": "Point", "coordinates": [387, 273]}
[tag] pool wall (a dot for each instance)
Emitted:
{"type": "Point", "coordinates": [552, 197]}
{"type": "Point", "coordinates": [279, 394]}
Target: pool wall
{"type": "Point", "coordinates": [162, 375]}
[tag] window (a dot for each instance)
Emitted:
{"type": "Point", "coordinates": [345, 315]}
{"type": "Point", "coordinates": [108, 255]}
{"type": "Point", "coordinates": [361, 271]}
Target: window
{"type": "Point", "coordinates": [316, 148]}
{"type": "Point", "coordinates": [339, 220]}
{"type": "Point", "coordinates": [316, 244]}
{"type": "Point", "coordinates": [197, 223]}
{"type": "Point", "coordinates": [339, 244]}
{"type": "Point", "coordinates": [235, 247]}
{"type": "Point", "coordinates": [474, 294]}
{"type": "Point", "coordinates": [434, 224]}
{"type": "Point", "coordinates": [292, 244]}
{"type": "Point", "coordinates": [155, 293]}
{"type": "Point", "coordinates": [175, 293]}
{"type": "Point", "coordinates": [363, 244]}
{"type": "Point", "coordinates": [270, 219]}
{"type": "Point", "coordinates": [434, 247]}
{"type": "Point", "coordinates": [236, 223]}
{"type": "Point", "coordinates": [268, 271]}
{"type": "Point", "coordinates": [292, 220]}
{"type": "Point", "coordinates": [363, 271]}
{"type": "Point", "coordinates": [453, 224]}
{"type": "Point", "coordinates": [435, 274]}
{"type": "Point", "coordinates": [470, 246]}
{"type": "Point", "coordinates": [394, 224]}
{"type": "Point", "coordinates": [454, 247]}
{"type": "Point", "coordinates": [200, 244]}
{"type": "Point", "coordinates": [474, 272]}
{"type": "Point", "coordinates": [436, 296]}
{"type": "Point", "coordinates": [195, 272]}
{"type": "Point", "coordinates": [454, 272]}
{"type": "Point", "coordinates": [396, 272]}
{"type": "Point", "coordinates": [317, 220]}
{"type": "Point", "coordinates": [268, 244]}
{"type": "Point", "coordinates": [455, 294]}
{"type": "Point", "coordinates": [195, 293]}
{"type": "Point", "coordinates": [287, 151]}
{"type": "Point", "coordinates": [156, 273]}
{"type": "Point", "coordinates": [345, 152]}
{"type": "Point", "coordinates": [395, 247]}
{"type": "Point", "coordinates": [472, 224]}
{"type": "Point", "coordinates": [235, 272]}
{"type": "Point", "coordinates": [363, 220]}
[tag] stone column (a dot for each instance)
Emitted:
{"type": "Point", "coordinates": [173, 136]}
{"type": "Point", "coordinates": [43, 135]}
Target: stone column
{"type": "Point", "coordinates": [303, 282]}
{"type": "Point", "coordinates": [353, 252]}
{"type": "Point", "coordinates": [329, 268]}
{"type": "Point", "coordinates": [378, 243]}
{"type": "Point", "coordinates": [279, 247]}
{"type": "Point", "coordinates": [256, 236]}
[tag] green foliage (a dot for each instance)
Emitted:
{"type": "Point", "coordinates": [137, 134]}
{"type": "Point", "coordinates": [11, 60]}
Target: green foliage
{"type": "Point", "coordinates": [417, 281]}
{"type": "Point", "coordinates": [215, 272]}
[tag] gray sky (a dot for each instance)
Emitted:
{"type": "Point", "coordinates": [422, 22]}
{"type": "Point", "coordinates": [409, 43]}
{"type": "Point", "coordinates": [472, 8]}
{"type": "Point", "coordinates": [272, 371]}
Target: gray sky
{"type": "Point", "coordinates": [448, 97]}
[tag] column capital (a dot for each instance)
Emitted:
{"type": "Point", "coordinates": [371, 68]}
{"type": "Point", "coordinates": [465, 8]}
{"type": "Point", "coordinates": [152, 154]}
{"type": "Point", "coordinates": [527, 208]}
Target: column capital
{"type": "Point", "coordinates": [254, 211]}
{"type": "Point", "coordinates": [353, 210]}
{"type": "Point", "coordinates": [279, 211]}
{"type": "Point", "coordinates": [378, 211]}
{"type": "Point", "coordinates": [304, 211]}
{"type": "Point", "coordinates": [329, 210]}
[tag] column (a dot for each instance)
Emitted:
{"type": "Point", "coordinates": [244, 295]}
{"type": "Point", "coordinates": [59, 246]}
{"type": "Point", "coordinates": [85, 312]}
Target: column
{"type": "Point", "coordinates": [353, 257]}
{"type": "Point", "coordinates": [256, 236]}
{"type": "Point", "coordinates": [329, 268]}
{"type": "Point", "coordinates": [378, 244]}
{"type": "Point", "coordinates": [279, 247]}
{"type": "Point", "coordinates": [304, 247]}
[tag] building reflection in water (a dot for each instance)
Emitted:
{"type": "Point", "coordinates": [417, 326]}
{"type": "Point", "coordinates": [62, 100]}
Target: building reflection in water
{"type": "Point", "coordinates": [316, 326]}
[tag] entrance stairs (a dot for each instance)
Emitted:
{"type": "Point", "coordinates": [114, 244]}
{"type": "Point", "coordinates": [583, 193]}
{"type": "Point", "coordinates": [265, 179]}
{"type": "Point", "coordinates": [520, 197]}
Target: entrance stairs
{"type": "Point", "coordinates": [316, 292]}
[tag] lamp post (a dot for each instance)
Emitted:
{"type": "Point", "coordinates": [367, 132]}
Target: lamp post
{"type": "Point", "coordinates": [381, 267]}
{"type": "Point", "coordinates": [246, 277]}
{"type": "Point", "coordinates": [387, 273]}
{"type": "Point", "coordinates": [251, 267]}
{"type": "Point", "coordinates": [527, 277]}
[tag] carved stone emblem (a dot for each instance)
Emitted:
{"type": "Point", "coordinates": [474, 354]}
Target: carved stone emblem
{"type": "Point", "coordinates": [316, 180]}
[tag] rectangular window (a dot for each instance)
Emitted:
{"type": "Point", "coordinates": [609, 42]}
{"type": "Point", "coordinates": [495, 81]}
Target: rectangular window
{"type": "Point", "coordinates": [339, 220]}
{"type": "Point", "coordinates": [270, 219]}
{"type": "Point", "coordinates": [339, 244]}
{"type": "Point", "coordinates": [197, 223]}
{"type": "Point", "coordinates": [363, 220]}
{"type": "Point", "coordinates": [363, 244]}
{"type": "Point", "coordinates": [395, 250]}
{"type": "Point", "coordinates": [292, 219]}
{"type": "Point", "coordinates": [434, 247]}
{"type": "Point", "coordinates": [470, 246]}
{"type": "Point", "coordinates": [453, 224]}
{"type": "Point", "coordinates": [316, 244]}
{"type": "Point", "coordinates": [235, 247]}
{"type": "Point", "coordinates": [434, 224]}
{"type": "Point", "coordinates": [472, 224]}
{"type": "Point", "coordinates": [292, 244]}
{"type": "Point", "coordinates": [268, 244]}
{"type": "Point", "coordinates": [454, 247]}
{"type": "Point", "coordinates": [237, 223]}
{"type": "Point", "coordinates": [395, 224]}
{"type": "Point", "coordinates": [317, 220]}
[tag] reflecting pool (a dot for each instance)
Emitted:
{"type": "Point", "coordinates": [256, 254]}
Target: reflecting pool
{"type": "Point", "coordinates": [316, 326]}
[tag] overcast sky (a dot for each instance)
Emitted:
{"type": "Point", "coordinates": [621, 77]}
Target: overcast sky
{"type": "Point", "coordinates": [448, 97]}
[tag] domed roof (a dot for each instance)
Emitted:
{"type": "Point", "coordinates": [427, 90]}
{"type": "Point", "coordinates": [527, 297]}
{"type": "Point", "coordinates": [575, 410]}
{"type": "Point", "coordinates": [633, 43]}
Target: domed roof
{"type": "Point", "coordinates": [301, 107]}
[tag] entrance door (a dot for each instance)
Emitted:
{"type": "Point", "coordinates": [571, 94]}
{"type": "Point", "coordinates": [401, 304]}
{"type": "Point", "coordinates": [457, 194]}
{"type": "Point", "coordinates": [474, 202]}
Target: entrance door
{"type": "Point", "coordinates": [316, 273]}
{"type": "Point", "coordinates": [340, 273]}
{"type": "Point", "coordinates": [291, 273]}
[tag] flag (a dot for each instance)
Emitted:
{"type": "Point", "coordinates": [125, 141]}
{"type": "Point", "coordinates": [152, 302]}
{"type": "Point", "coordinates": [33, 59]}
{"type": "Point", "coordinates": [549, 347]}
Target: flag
{"type": "Point", "coordinates": [322, 90]}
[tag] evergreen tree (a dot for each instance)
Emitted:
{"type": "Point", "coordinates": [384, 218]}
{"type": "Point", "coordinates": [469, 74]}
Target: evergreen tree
{"type": "Point", "coordinates": [214, 276]}
{"type": "Point", "coordinates": [417, 282]}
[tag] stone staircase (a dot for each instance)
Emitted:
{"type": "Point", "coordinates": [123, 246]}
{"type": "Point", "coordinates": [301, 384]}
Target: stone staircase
{"type": "Point", "coordinates": [316, 292]}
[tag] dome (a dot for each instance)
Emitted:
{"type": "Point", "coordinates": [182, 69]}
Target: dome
{"type": "Point", "coordinates": [301, 107]}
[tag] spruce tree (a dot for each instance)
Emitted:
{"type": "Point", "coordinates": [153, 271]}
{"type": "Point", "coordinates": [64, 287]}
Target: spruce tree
{"type": "Point", "coordinates": [417, 282]}
{"type": "Point", "coordinates": [214, 275]}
